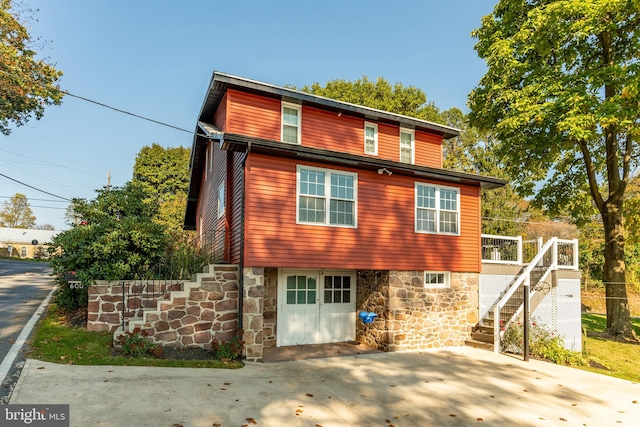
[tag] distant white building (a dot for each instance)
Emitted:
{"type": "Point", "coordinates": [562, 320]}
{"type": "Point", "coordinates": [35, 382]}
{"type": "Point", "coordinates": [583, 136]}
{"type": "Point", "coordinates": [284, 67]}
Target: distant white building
{"type": "Point", "coordinates": [25, 243]}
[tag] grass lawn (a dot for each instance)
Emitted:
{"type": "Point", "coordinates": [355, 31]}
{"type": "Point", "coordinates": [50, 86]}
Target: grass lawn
{"type": "Point", "coordinates": [55, 341]}
{"type": "Point", "coordinates": [620, 358]}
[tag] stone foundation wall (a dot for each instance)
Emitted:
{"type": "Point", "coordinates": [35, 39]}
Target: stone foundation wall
{"type": "Point", "coordinates": [420, 317]}
{"type": "Point", "coordinates": [270, 307]}
{"type": "Point", "coordinates": [372, 295]}
{"type": "Point", "coordinates": [252, 313]}
{"type": "Point", "coordinates": [104, 310]}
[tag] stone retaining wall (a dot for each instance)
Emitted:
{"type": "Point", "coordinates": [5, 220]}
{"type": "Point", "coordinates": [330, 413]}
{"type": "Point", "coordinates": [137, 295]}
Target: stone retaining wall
{"type": "Point", "coordinates": [210, 311]}
{"type": "Point", "coordinates": [104, 310]}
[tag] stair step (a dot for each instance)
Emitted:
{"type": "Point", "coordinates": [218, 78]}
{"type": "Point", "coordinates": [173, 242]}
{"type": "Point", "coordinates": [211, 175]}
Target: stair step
{"type": "Point", "coordinates": [485, 329]}
{"type": "Point", "coordinates": [484, 337]}
{"type": "Point", "coordinates": [479, 344]}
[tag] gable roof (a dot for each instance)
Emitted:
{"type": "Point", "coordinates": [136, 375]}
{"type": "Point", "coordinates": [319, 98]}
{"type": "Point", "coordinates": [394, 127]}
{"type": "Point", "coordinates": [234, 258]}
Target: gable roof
{"type": "Point", "coordinates": [26, 236]}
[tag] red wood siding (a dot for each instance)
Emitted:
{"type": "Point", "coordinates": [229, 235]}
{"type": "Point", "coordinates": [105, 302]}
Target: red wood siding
{"type": "Point", "coordinates": [253, 115]}
{"type": "Point", "coordinates": [384, 239]}
{"type": "Point", "coordinates": [220, 117]}
{"type": "Point", "coordinates": [428, 149]}
{"type": "Point", "coordinates": [235, 188]}
{"type": "Point", "coordinates": [208, 198]}
{"type": "Point", "coordinates": [260, 116]}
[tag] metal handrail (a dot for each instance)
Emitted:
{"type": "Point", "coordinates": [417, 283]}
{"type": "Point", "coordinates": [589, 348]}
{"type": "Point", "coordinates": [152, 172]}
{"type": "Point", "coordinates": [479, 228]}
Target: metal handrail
{"type": "Point", "coordinates": [524, 279]}
{"type": "Point", "coordinates": [175, 268]}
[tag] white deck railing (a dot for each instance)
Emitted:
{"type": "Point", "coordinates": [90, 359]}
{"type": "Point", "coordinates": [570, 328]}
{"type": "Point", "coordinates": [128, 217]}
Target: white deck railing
{"type": "Point", "coordinates": [515, 251]}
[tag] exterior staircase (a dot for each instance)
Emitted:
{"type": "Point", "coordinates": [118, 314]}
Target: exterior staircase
{"type": "Point", "coordinates": [511, 303]}
{"type": "Point", "coordinates": [202, 309]}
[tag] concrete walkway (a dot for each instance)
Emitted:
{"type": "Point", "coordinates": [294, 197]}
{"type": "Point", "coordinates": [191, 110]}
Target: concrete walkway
{"type": "Point", "coordinates": [448, 387]}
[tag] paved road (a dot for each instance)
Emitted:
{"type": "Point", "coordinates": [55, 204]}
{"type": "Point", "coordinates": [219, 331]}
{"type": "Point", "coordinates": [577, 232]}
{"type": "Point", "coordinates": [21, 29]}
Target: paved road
{"type": "Point", "coordinates": [23, 287]}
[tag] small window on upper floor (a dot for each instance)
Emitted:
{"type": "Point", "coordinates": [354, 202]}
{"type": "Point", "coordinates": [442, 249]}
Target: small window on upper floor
{"type": "Point", "coordinates": [407, 146]}
{"type": "Point", "coordinates": [291, 116]}
{"type": "Point", "coordinates": [206, 161]}
{"type": "Point", "coordinates": [371, 138]}
{"type": "Point", "coordinates": [221, 201]}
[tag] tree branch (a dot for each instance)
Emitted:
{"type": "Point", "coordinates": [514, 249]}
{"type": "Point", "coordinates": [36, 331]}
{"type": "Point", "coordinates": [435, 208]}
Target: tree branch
{"type": "Point", "coordinates": [591, 175]}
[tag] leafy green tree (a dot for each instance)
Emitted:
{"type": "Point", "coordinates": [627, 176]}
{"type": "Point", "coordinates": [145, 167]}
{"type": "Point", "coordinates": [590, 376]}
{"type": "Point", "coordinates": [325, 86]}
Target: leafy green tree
{"type": "Point", "coordinates": [381, 95]}
{"type": "Point", "coordinates": [27, 85]}
{"type": "Point", "coordinates": [562, 94]}
{"type": "Point", "coordinates": [17, 213]}
{"type": "Point", "coordinates": [163, 173]}
{"type": "Point", "coordinates": [115, 238]}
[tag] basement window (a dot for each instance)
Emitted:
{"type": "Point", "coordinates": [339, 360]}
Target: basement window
{"type": "Point", "coordinates": [436, 279]}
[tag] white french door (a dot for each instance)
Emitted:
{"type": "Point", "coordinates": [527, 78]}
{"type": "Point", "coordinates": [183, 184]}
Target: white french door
{"type": "Point", "coordinates": [315, 306]}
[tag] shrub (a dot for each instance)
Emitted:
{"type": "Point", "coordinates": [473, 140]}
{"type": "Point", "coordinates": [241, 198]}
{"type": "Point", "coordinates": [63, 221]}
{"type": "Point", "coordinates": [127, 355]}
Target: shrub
{"type": "Point", "coordinates": [227, 350]}
{"type": "Point", "coordinates": [70, 296]}
{"type": "Point", "coordinates": [543, 343]}
{"type": "Point", "coordinates": [135, 344]}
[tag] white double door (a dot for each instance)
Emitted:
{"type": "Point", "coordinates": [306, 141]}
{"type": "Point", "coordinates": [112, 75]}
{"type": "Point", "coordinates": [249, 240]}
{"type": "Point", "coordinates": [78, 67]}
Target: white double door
{"type": "Point", "coordinates": [316, 306]}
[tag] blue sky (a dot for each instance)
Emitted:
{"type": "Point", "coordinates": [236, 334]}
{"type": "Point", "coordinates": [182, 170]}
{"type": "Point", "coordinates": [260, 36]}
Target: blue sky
{"type": "Point", "coordinates": [155, 59]}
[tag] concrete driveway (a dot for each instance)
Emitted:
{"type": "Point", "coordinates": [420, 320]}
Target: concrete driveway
{"type": "Point", "coordinates": [447, 387]}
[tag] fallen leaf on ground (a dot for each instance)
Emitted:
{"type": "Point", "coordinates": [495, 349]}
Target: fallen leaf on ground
{"type": "Point", "coordinates": [574, 404]}
{"type": "Point", "coordinates": [41, 367]}
{"type": "Point", "coordinates": [216, 425]}
{"type": "Point", "coordinates": [252, 421]}
{"type": "Point", "coordinates": [452, 415]}
{"type": "Point", "coordinates": [479, 419]}
{"type": "Point", "coordinates": [563, 419]}
{"type": "Point", "coordinates": [227, 383]}
{"type": "Point", "coordinates": [309, 395]}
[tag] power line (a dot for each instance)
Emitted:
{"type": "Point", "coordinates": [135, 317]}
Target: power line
{"type": "Point", "coordinates": [39, 200]}
{"type": "Point", "coordinates": [49, 163]}
{"type": "Point", "coordinates": [101, 104]}
{"type": "Point", "coordinates": [34, 188]}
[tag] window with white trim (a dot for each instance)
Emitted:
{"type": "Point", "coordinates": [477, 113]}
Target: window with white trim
{"type": "Point", "coordinates": [436, 279]}
{"type": "Point", "coordinates": [24, 252]}
{"type": "Point", "coordinates": [221, 198]}
{"type": "Point", "coordinates": [206, 161]}
{"type": "Point", "coordinates": [370, 138]}
{"type": "Point", "coordinates": [407, 146]}
{"type": "Point", "coordinates": [326, 197]}
{"type": "Point", "coordinates": [291, 115]}
{"type": "Point", "coordinates": [437, 209]}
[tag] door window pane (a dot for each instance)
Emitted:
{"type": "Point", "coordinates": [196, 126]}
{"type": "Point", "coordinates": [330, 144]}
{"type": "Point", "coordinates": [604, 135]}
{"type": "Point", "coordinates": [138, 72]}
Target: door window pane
{"type": "Point", "coordinates": [346, 296]}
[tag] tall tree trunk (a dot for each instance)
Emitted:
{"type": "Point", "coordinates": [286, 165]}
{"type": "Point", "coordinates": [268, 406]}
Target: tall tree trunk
{"type": "Point", "coordinates": [618, 317]}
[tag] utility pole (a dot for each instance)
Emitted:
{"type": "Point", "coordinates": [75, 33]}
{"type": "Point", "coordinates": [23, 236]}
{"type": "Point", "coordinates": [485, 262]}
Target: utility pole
{"type": "Point", "coordinates": [109, 181]}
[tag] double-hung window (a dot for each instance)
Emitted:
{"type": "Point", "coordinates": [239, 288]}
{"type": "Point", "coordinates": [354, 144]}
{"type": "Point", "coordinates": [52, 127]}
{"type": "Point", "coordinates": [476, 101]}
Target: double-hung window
{"type": "Point", "coordinates": [221, 200]}
{"type": "Point", "coordinates": [407, 146]}
{"type": "Point", "coordinates": [371, 138]}
{"type": "Point", "coordinates": [437, 209]}
{"type": "Point", "coordinates": [326, 197]}
{"type": "Point", "coordinates": [291, 116]}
